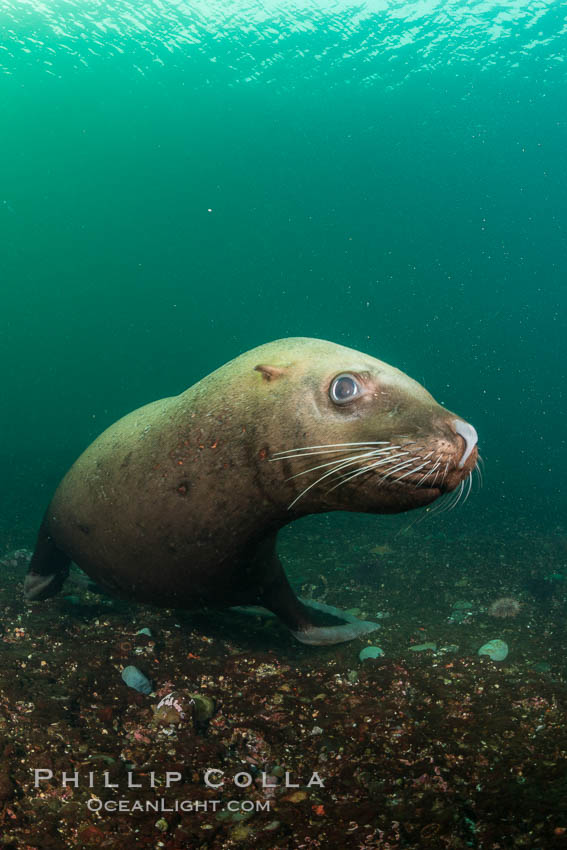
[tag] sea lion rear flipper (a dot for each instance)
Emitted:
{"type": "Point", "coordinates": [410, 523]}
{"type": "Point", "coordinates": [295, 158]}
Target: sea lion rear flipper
{"type": "Point", "coordinates": [48, 569]}
{"type": "Point", "coordinates": [279, 597]}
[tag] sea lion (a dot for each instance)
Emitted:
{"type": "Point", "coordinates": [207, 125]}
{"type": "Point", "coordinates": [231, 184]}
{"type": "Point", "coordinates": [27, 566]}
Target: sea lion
{"type": "Point", "coordinates": [179, 502]}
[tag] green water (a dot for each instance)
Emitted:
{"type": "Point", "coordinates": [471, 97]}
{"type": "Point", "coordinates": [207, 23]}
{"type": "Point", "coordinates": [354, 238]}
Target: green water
{"type": "Point", "coordinates": [181, 182]}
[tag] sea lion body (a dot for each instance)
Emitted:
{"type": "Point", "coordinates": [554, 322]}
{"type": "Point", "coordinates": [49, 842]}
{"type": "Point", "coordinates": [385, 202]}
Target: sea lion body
{"type": "Point", "coordinates": [179, 502]}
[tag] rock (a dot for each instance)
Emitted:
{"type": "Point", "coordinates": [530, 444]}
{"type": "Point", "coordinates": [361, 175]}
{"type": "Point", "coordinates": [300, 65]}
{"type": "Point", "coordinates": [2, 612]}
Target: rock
{"type": "Point", "coordinates": [422, 647]}
{"type": "Point", "coordinates": [296, 797]}
{"type": "Point", "coordinates": [135, 679]}
{"type": "Point", "coordinates": [175, 708]}
{"type": "Point", "coordinates": [19, 558]}
{"type": "Point", "coordinates": [144, 631]}
{"type": "Point", "coordinates": [370, 652]}
{"type": "Point", "coordinates": [495, 649]}
{"type": "Point", "coordinates": [203, 707]}
{"type": "Point", "coordinates": [240, 832]}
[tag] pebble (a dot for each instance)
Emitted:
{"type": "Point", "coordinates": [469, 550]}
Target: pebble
{"type": "Point", "coordinates": [495, 649]}
{"type": "Point", "coordinates": [421, 647]}
{"type": "Point", "coordinates": [296, 797]}
{"type": "Point", "coordinates": [203, 707]}
{"type": "Point", "coordinates": [174, 708]}
{"type": "Point", "coordinates": [370, 652]}
{"type": "Point", "coordinates": [144, 631]}
{"type": "Point", "coordinates": [450, 647]}
{"type": "Point", "coordinates": [17, 558]}
{"type": "Point", "coordinates": [134, 678]}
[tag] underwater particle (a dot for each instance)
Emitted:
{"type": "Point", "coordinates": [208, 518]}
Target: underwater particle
{"type": "Point", "coordinates": [135, 679]}
{"type": "Point", "coordinates": [495, 649]}
{"type": "Point", "coordinates": [370, 652]}
{"type": "Point", "coordinates": [506, 606]}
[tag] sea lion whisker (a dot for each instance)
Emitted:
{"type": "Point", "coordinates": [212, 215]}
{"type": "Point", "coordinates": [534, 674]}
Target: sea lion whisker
{"type": "Point", "coordinates": [378, 463]}
{"type": "Point", "coordinates": [324, 452]}
{"type": "Point", "coordinates": [321, 478]}
{"type": "Point", "coordinates": [435, 479]}
{"type": "Point", "coordinates": [396, 468]}
{"type": "Point", "coordinates": [331, 446]}
{"type": "Point", "coordinates": [468, 486]}
{"type": "Point", "coordinates": [443, 504]}
{"type": "Point", "coordinates": [437, 508]}
{"type": "Point", "coordinates": [410, 471]}
{"type": "Point", "coordinates": [345, 477]}
{"type": "Point", "coordinates": [341, 461]}
{"type": "Point", "coordinates": [428, 473]}
{"type": "Point", "coordinates": [370, 453]}
{"type": "Point", "coordinates": [459, 494]}
{"type": "Point", "coordinates": [478, 471]}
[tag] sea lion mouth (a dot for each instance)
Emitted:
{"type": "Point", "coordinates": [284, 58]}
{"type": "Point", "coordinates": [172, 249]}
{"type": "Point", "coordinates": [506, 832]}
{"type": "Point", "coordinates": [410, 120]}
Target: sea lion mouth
{"type": "Point", "coordinates": [405, 466]}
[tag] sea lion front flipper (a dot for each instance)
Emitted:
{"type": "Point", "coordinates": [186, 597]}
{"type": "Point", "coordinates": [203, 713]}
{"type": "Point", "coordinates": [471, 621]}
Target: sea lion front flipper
{"type": "Point", "coordinates": [321, 635]}
{"type": "Point", "coordinates": [48, 569]}
{"type": "Point", "coordinates": [279, 597]}
{"type": "Point", "coordinates": [327, 635]}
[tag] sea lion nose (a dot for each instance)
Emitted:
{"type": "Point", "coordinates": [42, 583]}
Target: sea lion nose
{"type": "Point", "coordinates": [469, 435]}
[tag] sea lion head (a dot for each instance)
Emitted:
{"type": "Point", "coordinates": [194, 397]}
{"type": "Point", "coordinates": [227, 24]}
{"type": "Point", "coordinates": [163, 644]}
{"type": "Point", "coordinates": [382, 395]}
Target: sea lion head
{"type": "Point", "coordinates": [354, 433]}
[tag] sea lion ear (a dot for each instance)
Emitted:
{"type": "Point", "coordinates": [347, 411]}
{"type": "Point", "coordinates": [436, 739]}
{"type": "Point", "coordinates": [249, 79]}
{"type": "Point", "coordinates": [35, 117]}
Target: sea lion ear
{"type": "Point", "coordinates": [269, 373]}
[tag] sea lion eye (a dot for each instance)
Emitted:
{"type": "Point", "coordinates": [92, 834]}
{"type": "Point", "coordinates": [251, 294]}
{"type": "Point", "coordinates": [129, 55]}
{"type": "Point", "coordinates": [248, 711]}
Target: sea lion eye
{"type": "Point", "coordinates": [343, 389]}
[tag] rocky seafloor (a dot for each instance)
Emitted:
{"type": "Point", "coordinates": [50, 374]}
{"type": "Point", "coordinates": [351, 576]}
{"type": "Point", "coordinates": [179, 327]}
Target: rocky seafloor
{"type": "Point", "coordinates": [437, 748]}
